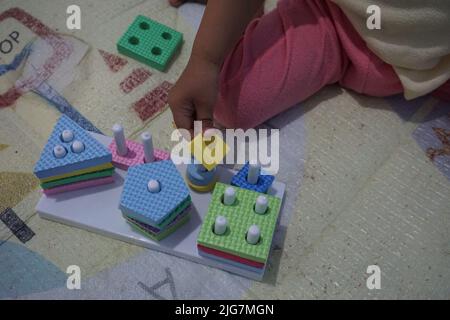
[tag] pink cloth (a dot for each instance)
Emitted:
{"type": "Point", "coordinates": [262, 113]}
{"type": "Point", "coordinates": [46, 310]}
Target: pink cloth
{"type": "Point", "coordinates": [288, 55]}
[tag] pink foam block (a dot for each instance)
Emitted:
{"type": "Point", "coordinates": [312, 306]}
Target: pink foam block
{"type": "Point", "coordinates": [134, 156]}
{"type": "Point", "coordinates": [78, 185]}
{"type": "Point", "coordinates": [161, 155]}
{"type": "Point", "coordinates": [230, 256]}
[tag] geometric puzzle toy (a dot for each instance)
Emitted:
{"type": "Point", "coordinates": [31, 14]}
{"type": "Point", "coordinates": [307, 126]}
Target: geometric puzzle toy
{"type": "Point", "coordinates": [127, 153]}
{"type": "Point", "coordinates": [155, 198]}
{"type": "Point", "coordinates": [82, 210]}
{"type": "Point", "coordinates": [150, 42]}
{"type": "Point", "coordinates": [239, 227]}
{"type": "Point", "coordinates": [249, 177]}
{"type": "Point", "coordinates": [72, 159]}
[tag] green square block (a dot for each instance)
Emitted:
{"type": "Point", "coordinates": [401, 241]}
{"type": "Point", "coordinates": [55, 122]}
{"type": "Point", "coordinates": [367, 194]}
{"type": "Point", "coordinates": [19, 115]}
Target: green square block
{"type": "Point", "coordinates": [81, 177]}
{"type": "Point", "coordinates": [150, 42]}
{"type": "Point", "coordinates": [240, 217]}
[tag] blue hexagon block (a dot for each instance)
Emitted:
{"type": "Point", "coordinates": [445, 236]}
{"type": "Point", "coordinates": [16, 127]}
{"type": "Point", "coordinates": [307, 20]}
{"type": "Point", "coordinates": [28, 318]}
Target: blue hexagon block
{"type": "Point", "coordinates": [94, 152]}
{"type": "Point", "coordinates": [240, 180]}
{"type": "Point", "coordinates": [159, 208]}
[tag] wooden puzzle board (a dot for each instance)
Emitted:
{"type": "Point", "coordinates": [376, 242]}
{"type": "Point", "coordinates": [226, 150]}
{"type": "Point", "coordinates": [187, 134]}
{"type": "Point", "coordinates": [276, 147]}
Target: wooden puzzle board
{"type": "Point", "coordinates": [97, 209]}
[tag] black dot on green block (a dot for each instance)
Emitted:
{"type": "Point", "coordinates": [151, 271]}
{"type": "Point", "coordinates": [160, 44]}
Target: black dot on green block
{"type": "Point", "coordinates": [144, 25]}
{"type": "Point", "coordinates": [156, 51]}
{"type": "Point", "coordinates": [166, 36]}
{"type": "Point", "coordinates": [133, 40]}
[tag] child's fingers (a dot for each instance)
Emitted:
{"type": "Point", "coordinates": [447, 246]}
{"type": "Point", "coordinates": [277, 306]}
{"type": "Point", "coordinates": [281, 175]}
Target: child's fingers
{"type": "Point", "coordinates": [204, 114]}
{"type": "Point", "coordinates": [207, 124]}
{"type": "Point", "coordinates": [183, 122]}
{"type": "Point", "coordinates": [176, 3]}
{"type": "Point", "coordinates": [187, 134]}
{"type": "Point", "coordinates": [183, 116]}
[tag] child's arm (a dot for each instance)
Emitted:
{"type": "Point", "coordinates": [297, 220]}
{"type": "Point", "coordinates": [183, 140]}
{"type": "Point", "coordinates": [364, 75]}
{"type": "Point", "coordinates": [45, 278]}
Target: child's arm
{"type": "Point", "coordinates": [222, 25]}
{"type": "Point", "coordinates": [195, 92]}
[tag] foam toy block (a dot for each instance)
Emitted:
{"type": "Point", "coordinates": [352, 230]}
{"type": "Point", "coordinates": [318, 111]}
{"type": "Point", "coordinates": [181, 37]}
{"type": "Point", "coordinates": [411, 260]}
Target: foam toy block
{"type": "Point", "coordinates": [83, 177]}
{"type": "Point", "coordinates": [134, 156]}
{"type": "Point", "coordinates": [242, 179]}
{"type": "Point", "coordinates": [72, 159]}
{"type": "Point", "coordinates": [159, 234]}
{"type": "Point", "coordinates": [167, 220]}
{"type": "Point", "coordinates": [154, 194]}
{"type": "Point", "coordinates": [208, 152]}
{"type": "Point", "coordinates": [206, 155]}
{"type": "Point", "coordinates": [70, 148]}
{"type": "Point", "coordinates": [163, 234]}
{"type": "Point", "coordinates": [102, 167]}
{"type": "Point", "coordinates": [78, 185]}
{"type": "Point", "coordinates": [229, 256]}
{"type": "Point", "coordinates": [230, 262]}
{"type": "Point", "coordinates": [155, 230]}
{"type": "Point", "coordinates": [127, 153]}
{"type": "Point", "coordinates": [243, 232]}
{"type": "Point", "coordinates": [200, 179]}
{"type": "Point", "coordinates": [150, 42]}
{"type": "Point", "coordinates": [199, 175]}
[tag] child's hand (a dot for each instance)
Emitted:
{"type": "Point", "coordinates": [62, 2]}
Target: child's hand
{"type": "Point", "coordinates": [194, 94]}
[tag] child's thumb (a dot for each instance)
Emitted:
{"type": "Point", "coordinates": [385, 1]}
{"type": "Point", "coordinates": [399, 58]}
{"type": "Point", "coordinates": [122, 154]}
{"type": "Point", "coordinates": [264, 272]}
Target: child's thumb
{"type": "Point", "coordinates": [204, 114]}
{"type": "Point", "coordinates": [183, 116]}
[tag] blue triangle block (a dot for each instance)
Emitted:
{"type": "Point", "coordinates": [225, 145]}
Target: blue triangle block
{"type": "Point", "coordinates": [93, 154]}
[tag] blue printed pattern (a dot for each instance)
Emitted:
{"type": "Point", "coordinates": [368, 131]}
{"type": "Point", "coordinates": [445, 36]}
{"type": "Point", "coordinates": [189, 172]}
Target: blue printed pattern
{"type": "Point", "coordinates": [153, 208]}
{"type": "Point", "coordinates": [240, 180]}
{"type": "Point", "coordinates": [22, 55]}
{"type": "Point", "coordinates": [63, 106]}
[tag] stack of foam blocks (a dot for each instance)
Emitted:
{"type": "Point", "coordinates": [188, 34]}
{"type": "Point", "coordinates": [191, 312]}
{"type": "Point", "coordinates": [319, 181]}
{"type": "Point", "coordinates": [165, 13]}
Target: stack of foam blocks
{"type": "Point", "coordinates": [240, 223]}
{"type": "Point", "coordinates": [155, 199]}
{"type": "Point", "coordinates": [72, 159]}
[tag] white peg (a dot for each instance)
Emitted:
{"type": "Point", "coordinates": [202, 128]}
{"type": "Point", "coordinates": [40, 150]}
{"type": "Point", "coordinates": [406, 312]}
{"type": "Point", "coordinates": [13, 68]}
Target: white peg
{"type": "Point", "coordinates": [59, 151]}
{"type": "Point", "coordinates": [119, 138]}
{"type": "Point", "coordinates": [261, 205]}
{"type": "Point", "coordinates": [253, 173]}
{"type": "Point", "coordinates": [77, 146]}
{"type": "Point", "coordinates": [67, 135]}
{"type": "Point", "coordinates": [229, 196]}
{"type": "Point", "coordinates": [147, 143]}
{"type": "Point", "coordinates": [220, 225]}
{"type": "Point", "coordinates": [253, 234]}
{"type": "Point", "coordinates": [153, 186]}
